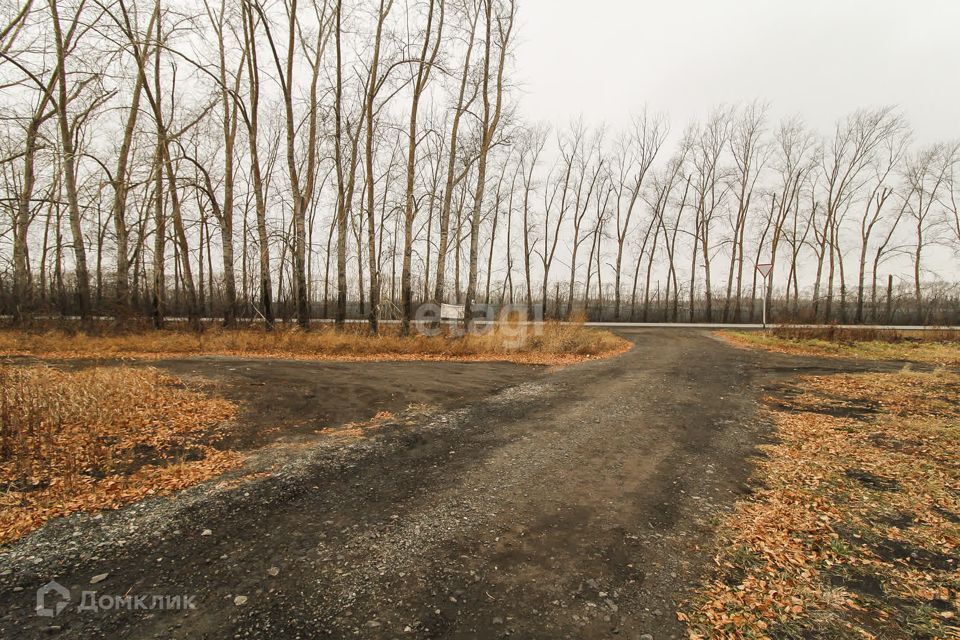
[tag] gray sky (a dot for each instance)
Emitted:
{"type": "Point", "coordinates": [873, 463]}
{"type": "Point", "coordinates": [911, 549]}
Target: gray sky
{"type": "Point", "coordinates": [817, 58]}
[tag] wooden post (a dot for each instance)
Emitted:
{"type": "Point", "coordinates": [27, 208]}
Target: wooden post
{"type": "Point", "coordinates": [889, 299]}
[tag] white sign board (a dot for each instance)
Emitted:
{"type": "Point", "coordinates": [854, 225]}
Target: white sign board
{"type": "Point", "coordinates": [451, 312]}
{"type": "Point", "coordinates": [764, 269]}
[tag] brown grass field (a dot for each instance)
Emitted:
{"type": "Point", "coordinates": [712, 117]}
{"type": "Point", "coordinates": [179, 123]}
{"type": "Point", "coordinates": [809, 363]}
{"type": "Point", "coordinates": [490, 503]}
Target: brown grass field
{"type": "Point", "coordinates": [938, 347]}
{"type": "Point", "coordinates": [551, 343]}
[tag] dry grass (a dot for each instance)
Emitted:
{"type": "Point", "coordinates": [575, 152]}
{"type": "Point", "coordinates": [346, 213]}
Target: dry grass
{"type": "Point", "coordinates": [935, 347]}
{"type": "Point", "coordinates": [100, 438]}
{"type": "Point", "coordinates": [855, 529]}
{"type": "Point", "coordinates": [852, 335]}
{"type": "Point", "coordinates": [551, 343]}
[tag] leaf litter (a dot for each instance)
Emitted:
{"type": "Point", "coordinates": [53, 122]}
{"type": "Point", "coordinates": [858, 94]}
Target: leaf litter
{"type": "Point", "coordinates": [100, 438]}
{"type": "Point", "coordinates": [853, 526]}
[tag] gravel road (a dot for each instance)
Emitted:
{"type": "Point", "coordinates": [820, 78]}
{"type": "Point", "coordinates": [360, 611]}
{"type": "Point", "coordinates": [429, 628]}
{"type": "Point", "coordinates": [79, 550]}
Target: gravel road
{"type": "Point", "coordinates": [578, 503]}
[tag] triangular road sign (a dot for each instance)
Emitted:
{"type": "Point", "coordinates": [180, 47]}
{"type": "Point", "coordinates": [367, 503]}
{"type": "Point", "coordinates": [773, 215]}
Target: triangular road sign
{"type": "Point", "coordinates": [764, 269]}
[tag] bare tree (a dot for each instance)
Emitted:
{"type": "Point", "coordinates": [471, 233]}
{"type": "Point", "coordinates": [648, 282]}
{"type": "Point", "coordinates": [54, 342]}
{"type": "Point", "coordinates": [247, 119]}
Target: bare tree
{"type": "Point", "coordinates": [588, 172]}
{"type": "Point", "coordinates": [635, 157]}
{"type": "Point", "coordinates": [844, 164]}
{"type": "Point", "coordinates": [949, 201]}
{"type": "Point", "coordinates": [489, 122]}
{"type": "Point", "coordinates": [422, 72]}
{"type": "Point", "coordinates": [229, 106]}
{"type": "Point", "coordinates": [531, 147]}
{"type": "Point", "coordinates": [302, 179]}
{"type": "Point", "coordinates": [795, 146]}
{"type": "Point", "coordinates": [710, 190]}
{"type": "Point", "coordinates": [749, 154]}
{"type": "Point", "coordinates": [251, 114]}
{"type": "Point", "coordinates": [375, 83]}
{"type": "Point", "coordinates": [874, 211]}
{"type": "Point", "coordinates": [45, 107]}
{"type": "Point", "coordinates": [556, 184]}
{"type": "Point", "coordinates": [472, 9]}
{"type": "Point", "coordinates": [925, 174]}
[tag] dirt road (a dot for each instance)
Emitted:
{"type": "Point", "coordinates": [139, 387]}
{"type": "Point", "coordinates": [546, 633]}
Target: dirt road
{"type": "Point", "coordinates": [576, 503]}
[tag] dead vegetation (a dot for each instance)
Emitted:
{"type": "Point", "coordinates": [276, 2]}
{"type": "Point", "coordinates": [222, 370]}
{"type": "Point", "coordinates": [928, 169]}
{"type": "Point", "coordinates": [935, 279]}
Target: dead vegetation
{"type": "Point", "coordinates": [364, 428]}
{"type": "Point", "coordinates": [853, 529]}
{"type": "Point", "coordinates": [939, 347]}
{"type": "Point", "coordinates": [549, 343]}
{"type": "Point", "coordinates": [853, 335]}
{"type": "Point", "coordinates": [100, 438]}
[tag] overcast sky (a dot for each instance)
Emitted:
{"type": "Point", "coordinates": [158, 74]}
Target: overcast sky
{"type": "Point", "coordinates": [817, 58]}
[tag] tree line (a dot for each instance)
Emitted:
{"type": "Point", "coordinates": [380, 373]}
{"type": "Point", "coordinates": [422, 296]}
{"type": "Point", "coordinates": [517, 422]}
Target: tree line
{"type": "Point", "coordinates": [296, 159]}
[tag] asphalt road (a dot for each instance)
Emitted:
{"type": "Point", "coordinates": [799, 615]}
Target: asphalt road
{"type": "Point", "coordinates": [577, 504]}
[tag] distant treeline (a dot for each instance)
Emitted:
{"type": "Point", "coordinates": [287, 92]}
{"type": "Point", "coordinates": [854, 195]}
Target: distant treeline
{"type": "Point", "coordinates": [334, 159]}
{"type": "Point", "coordinates": [893, 304]}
